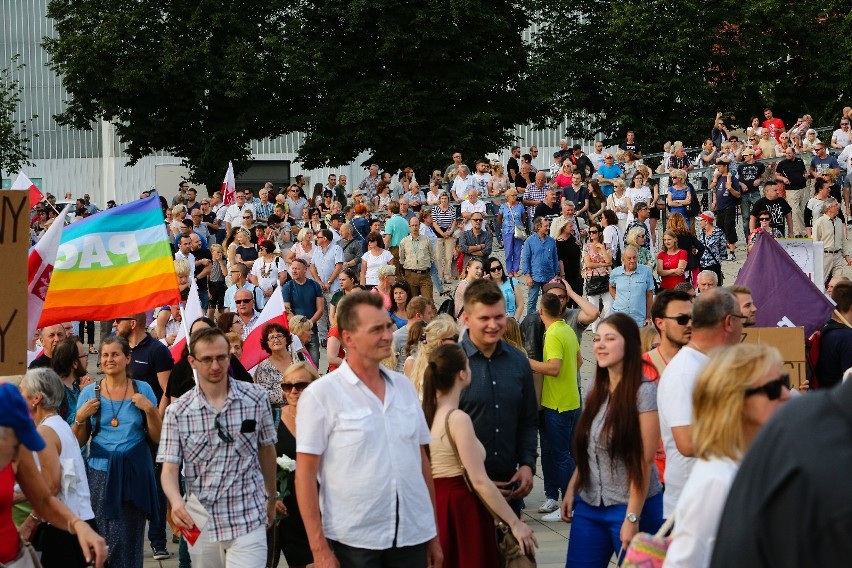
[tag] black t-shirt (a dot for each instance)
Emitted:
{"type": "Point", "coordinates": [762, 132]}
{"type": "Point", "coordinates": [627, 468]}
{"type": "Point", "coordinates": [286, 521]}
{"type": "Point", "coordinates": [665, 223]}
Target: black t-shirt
{"type": "Point", "coordinates": [791, 502]}
{"type": "Point", "coordinates": [630, 147]}
{"type": "Point", "coordinates": [778, 209]}
{"type": "Point", "coordinates": [512, 165]}
{"type": "Point", "coordinates": [148, 358]}
{"type": "Point", "coordinates": [584, 165]}
{"type": "Point", "coordinates": [41, 361]}
{"type": "Point", "coordinates": [578, 198]}
{"type": "Point", "coordinates": [835, 354]}
{"type": "Point", "coordinates": [544, 210]}
{"type": "Point", "coordinates": [794, 170]}
{"type": "Point", "coordinates": [199, 254]}
{"type": "Point", "coordinates": [748, 173]}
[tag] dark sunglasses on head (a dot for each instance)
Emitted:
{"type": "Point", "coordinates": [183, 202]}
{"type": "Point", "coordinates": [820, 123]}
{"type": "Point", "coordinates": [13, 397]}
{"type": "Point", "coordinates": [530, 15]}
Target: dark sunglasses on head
{"type": "Point", "coordinates": [772, 389]}
{"type": "Point", "coordinates": [682, 319]}
{"type": "Point", "coordinates": [300, 386]}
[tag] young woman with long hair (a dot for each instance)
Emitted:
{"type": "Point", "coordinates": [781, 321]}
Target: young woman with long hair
{"type": "Point", "coordinates": [686, 240]}
{"type": "Point", "coordinates": [615, 491]}
{"type": "Point", "coordinates": [508, 285]}
{"type": "Point", "coordinates": [472, 271]}
{"type": "Point", "coordinates": [441, 330]}
{"type": "Point", "coordinates": [671, 262]}
{"type": "Point", "coordinates": [597, 201]}
{"type": "Point", "coordinates": [465, 527]}
{"type": "Point", "coordinates": [597, 262]}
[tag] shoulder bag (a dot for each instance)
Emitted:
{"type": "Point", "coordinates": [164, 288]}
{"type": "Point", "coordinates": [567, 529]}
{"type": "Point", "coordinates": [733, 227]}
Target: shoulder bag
{"type": "Point", "coordinates": [520, 231]}
{"type": "Point", "coordinates": [508, 546]}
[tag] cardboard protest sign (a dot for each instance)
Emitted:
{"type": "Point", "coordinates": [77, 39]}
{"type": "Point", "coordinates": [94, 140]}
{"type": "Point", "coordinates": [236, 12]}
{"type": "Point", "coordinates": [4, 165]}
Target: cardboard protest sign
{"type": "Point", "coordinates": [790, 341]}
{"type": "Point", "coordinates": [14, 242]}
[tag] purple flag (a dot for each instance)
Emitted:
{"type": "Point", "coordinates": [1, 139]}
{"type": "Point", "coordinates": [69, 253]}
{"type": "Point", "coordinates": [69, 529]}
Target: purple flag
{"type": "Point", "coordinates": [782, 292]}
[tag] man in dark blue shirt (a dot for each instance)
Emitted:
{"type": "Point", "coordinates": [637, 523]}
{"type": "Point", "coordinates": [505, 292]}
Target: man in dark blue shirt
{"type": "Point", "coordinates": [501, 399]}
{"type": "Point", "coordinates": [303, 297]}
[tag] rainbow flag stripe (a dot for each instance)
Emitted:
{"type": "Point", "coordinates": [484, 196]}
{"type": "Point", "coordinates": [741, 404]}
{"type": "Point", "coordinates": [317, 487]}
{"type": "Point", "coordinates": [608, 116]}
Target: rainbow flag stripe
{"type": "Point", "coordinates": [112, 264]}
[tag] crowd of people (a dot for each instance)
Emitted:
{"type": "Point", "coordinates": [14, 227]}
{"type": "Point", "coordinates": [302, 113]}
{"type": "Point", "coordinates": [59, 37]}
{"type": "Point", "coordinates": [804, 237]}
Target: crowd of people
{"type": "Point", "coordinates": [432, 348]}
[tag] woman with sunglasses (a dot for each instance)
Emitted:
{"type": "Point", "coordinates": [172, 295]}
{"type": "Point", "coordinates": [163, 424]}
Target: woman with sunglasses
{"type": "Point", "coordinates": [679, 196]}
{"type": "Point", "coordinates": [735, 395]}
{"type": "Point", "coordinates": [508, 285]}
{"type": "Point", "coordinates": [615, 490]}
{"type": "Point", "coordinates": [289, 535]}
{"type": "Point", "coordinates": [764, 219]}
{"type": "Point", "coordinates": [597, 264]}
{"type": "Point", "coordinates": [440, 331]}
{"type": "Point", "coordinates": [275, 339]}
{"type": "Point", "coordinates": [372, 260]}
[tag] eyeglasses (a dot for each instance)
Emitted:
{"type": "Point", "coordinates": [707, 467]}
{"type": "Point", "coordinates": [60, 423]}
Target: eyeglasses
{"type": "Point", "coordinates": [300, 386]}
{"type": "Point", "coordinates": [84, 356]}
{"type": "Point", "coordinates": [246, 301]}
{"type": "Point", "coordinates": [275, 337]}
{"type": "Point", "coordinates": [246, 216]}
{"type": "Point", "coordinates": [772, 389]}
{"type": "Point", "coordinates": [593, 232]}
{"type": "Point", "coordinates": [740, 316]}
{"type": "Point", "coordinates": [475, 220]}
{"type": "Point", "coordinates": [681, 319]}
{"type": "Point", "coordinates": [221, 432]}
{"type": "Point", "coordinates": [207, 361]}
{"type": "Point", "coordinates": [496, 269]}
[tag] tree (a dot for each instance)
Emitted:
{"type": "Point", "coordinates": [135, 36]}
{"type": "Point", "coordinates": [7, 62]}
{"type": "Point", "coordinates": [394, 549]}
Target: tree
{"type": "Point", "coordinates": [14, 134]}
{"type": "Point", "coordinates": [198, 79]}
{"type": "Point", "coordinates": [410, 82]}
{"type": "Point", "coordinates": [664, 67]}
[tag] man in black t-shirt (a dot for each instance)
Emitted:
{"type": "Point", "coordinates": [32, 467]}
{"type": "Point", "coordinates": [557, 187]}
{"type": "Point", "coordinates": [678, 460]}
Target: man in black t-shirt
{"type": "Point", "coordinates": [548, 207]}
{"type": "Point", "coordinates": [582, 164]}
{"type": "Point", "coordinates": [513, 167]}
{"type": "Point", "coordinates": [203, 267]}
{"type": "Point", "coordinates": [751, 175]}
{"type": "Point", "coordinates": [791, 171]}
{"type": "Point", "coordinates": [630, 145]}
{"type": "Point", "coordinates": [778, 208]}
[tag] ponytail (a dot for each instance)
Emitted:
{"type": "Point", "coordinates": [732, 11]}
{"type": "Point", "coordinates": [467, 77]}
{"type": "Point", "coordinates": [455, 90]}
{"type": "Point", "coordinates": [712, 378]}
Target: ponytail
{"type": "Point", "coordinates": [445, 362]}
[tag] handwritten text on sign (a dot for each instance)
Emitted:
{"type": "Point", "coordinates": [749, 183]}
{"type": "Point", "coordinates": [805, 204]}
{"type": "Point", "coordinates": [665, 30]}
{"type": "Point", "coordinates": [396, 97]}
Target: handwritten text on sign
{"type": "Point", "coordinates": [14, 242]}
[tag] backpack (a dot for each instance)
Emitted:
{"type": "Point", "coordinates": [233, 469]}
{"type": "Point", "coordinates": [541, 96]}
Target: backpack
{"type": "Point", "coordinates": [813, 344]}
{"type": "Point", "coordinates": [694, 207]}
{"type": "Point", "coordinates": [448, 307]}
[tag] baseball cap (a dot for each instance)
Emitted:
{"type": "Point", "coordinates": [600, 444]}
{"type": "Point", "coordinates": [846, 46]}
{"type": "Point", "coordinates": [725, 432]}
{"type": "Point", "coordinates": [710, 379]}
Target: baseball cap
{"type": "Point", "coordinates": [15, 414]}
{"type": "Point", "coordinates": [553, 284]}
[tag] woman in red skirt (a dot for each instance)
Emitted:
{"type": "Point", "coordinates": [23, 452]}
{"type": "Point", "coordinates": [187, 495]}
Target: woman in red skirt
{"type": "Point", "coordinates": [465, 527]}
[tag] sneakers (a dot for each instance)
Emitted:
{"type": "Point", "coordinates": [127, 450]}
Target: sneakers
{"type": "Point", "coordinates": [554, 517]}
{"type": "Point", "coordinates": [731, 256]}
{"type": "Point", "coordinates": [161, 552]}
{"type": "Point", "coordinates": [549, 506]}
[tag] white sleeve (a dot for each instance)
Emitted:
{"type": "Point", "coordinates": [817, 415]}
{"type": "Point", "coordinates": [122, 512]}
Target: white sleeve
{"type": "Point", "coordinates": [313, 425]}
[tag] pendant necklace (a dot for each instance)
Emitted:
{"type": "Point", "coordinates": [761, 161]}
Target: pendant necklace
{"type": "Point", "coordinates": [114, 421]}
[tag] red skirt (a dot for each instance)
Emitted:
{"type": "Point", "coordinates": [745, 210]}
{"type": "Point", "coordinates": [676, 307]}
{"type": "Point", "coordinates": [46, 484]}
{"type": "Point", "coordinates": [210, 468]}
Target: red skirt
{"type": "Point", "coordinates": [465, 528]}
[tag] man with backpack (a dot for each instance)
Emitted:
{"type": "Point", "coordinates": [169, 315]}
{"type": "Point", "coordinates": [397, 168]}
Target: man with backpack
{"type": "Point", "coordinates": [835, 349]}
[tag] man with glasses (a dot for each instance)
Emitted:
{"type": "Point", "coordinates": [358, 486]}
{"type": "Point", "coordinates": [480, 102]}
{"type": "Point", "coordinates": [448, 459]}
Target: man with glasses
{"type": "Point", "coordinates": [70, 361]}
{"type": "Point", "coordinates": [235, 211]}
{"type": "Point", "coordinates": [539, 260]}
{"type": "Point", "coordinates": [295, 204]}
{"type": "Point", "coordinates": [239, 274]}
{"type": "Point", "coordinates": [672, 316]}
{"type": "Point", "coordinates": [303, 296]}
{"type": "Point", "coordinates": [750, 174]}
{"type": "Point", "coordinates": [716, 322]}
{"type": "Point", "coordinates": [244, 302]}
{"type": "Point", "coordinates": [608, 173]}
{"type": "Point", "coordinates": [841, 138]}
{"type": "Point", "coordinates": [829, 230]}
{"type": "Point", "coordinates": [476, 242]}
{"type": "Point", "coordinates": [221, 435]}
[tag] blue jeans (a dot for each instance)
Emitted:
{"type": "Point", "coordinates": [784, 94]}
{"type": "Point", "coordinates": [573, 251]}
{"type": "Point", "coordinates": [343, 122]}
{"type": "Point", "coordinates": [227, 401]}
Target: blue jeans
{"type": "Point", "coordinates": [532, 300]}
{"type": "Point", "coordinates": [746, 204]}
{"type": "Point", "coordinates": [204, 298]}
{"type": "Point", "coordinates": [512, 251]}
{"type": "Point", "coordinates": [157, 526]}
{"type": "Point", "coordinates": [557, 461]}
{"type": "Point", "coordinates": [436, 278]}
{"type": "Point", "coordinates": [596, 531]}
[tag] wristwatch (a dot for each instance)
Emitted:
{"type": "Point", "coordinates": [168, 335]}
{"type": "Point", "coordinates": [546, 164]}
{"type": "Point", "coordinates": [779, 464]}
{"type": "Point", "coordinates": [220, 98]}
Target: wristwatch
{"type": "Point", "coordinates": [633, 518]}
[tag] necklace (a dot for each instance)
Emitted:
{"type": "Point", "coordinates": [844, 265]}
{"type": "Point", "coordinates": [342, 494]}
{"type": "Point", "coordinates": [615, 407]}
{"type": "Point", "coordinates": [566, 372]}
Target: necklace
{"type": "Point", "coordinates": [46, 417]}
{"type": "Point", "coordinates": [114, 421]}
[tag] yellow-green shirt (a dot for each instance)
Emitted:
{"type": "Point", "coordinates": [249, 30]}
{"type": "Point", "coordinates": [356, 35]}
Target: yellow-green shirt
{"type": "Point", "coordinates": [561, 392]}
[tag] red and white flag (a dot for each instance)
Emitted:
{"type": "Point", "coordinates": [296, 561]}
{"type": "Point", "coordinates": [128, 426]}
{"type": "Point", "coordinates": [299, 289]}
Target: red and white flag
{"type": "Point", "coordinates": [23, 182]}
{"type": "Point", "coordinates": [229, 186]}
{"type": "Point", "coordinates": [253, 353]}
{"type": "Point", "coordinates": [40, 267]}
{"type": "Point", "coordinates": [190, 312]}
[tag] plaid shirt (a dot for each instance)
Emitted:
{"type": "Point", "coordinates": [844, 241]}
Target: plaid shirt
{"type": "Point", "coordinates": [225, 477]}
{"type": "Point", "coordinates": [534, 193]}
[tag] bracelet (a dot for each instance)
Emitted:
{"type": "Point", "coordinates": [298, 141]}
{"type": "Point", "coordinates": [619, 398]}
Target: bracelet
{"type": "Point", "coordinates": [71, 524]}
{"type": "Point", "coordinates": [79, 423]}
{"type": "Point", "coordinates": [273, 497]}
{"type": "Point", "coordinates": [36, 519]}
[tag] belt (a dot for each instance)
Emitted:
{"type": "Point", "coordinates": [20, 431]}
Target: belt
{"type": "Point", "coordinates": [833, 251]}
{"type": "Point", "coordinates": [417, 271]}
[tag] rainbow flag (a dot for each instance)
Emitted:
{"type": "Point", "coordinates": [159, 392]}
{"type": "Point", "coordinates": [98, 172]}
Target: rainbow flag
{"type": "Point", "coordinates": [112, 264]}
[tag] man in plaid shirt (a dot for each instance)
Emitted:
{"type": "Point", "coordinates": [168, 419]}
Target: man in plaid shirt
{"type": "Point", "coordinates": [222, 433]}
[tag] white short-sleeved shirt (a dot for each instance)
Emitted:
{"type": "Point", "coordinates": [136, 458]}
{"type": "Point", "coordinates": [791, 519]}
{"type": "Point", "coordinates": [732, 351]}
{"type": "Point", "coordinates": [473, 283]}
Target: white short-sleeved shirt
{"type": "Point", "coordinates": [699, 511]}
{"type": "Point", "coordinates": [468, 207]}
{"type": "Point", "coordinates": [373, 262]}
{"type": "Point", "coordinates": [371, 459]}
{"type": "Point", "coordinates": [674, 404]}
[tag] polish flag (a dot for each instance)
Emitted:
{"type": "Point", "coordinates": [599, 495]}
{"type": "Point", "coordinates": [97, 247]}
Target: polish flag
{"type": "Point", "coordinates": [40, 267]}
{"type": "Point", "coordinates": [190, 312]}
{"type": "Point", "coordinates": [253, 353]}
{"type": "Point", "coordinates": [229, 186]}
{"type": "Point", "coordinates": [23, 182]}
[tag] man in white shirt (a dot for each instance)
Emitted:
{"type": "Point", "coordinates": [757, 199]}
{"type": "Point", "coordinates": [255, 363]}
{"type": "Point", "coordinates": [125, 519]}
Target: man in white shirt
{"type": "Point", "coordinates": [840, 138]}
{"type": "Point", "coordinates": [470, 206]}
{"type": "Point", "coordinates": [234, 213]}
{"type": "Point", "coordinates": [462, 184]}
{"type": "Point", "coordinates": [597, 157]}
{"type": "Point", "coordinates": [184, 252]}
{"type": "Point", "coordinates": [362, 436]}
{"type": "Point", "coordinates": [481, 177]}
{"type": "Point", "coordinates": [716, 321]}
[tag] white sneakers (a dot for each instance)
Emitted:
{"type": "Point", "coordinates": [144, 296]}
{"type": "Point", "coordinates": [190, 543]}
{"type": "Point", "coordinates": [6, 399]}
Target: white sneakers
{"type": "Point", "coordinates": [549, 506]}
{"type": "Point", "coordinates": [554, 517]}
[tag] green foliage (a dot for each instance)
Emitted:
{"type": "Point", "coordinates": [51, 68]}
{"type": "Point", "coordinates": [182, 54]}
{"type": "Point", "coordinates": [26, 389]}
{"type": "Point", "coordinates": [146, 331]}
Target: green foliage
{"type": "Point", "coordinates": [14, 135]}
{"type": "Point", "coordinates": [198, 79]}
{"type": "Point", "coordinates": [410, 82]}
{"type": "Point", "coordinates": [664, 67]}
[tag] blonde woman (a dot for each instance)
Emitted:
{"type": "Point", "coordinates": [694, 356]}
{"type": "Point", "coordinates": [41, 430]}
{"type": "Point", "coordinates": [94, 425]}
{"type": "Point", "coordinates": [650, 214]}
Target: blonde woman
{"type": "Point", "coordinates": [216, 281]}
{"type": "Point", "coordinates": [734, 396]}
{"type": "Point", "coordinates": [303, 249]}
{"type": "Point", "coordinates": [472, 271]}
{"type": "Point", "coordinates": [620, 204]}
{"type": "Point", "coordinates": [178, 215]}
{"type": "Point", "coordinates": [499, 182]}
{"type": "Point", "coordinates": [302, 331]}
{"type": "Point", "coordinates": [440, 331]}
{"type": "Point", "coordinates": [636, 237]}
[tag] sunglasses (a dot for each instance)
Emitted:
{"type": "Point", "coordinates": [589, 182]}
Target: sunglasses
{"type": "Point", "coordinates": [453, 338]}
{"type": "Point", "coordinates": [496, 269]}
{"type": "Point", "coordinates": [246, 217]}
{"type": "Point", "coordinates": [246, 301]}
{"type": "Point", "coordinates": [300, 386]}
{"type": "Point", "coordinates": [682, 319]}
{"type": "Point", "coordinates": [594, 232]}
{"type": "Point", "coordinates": [221, 432]}
{"type": "Point", "coordinates": [772, 389]}
{"type": "Point", "coordinates": [765, 219]}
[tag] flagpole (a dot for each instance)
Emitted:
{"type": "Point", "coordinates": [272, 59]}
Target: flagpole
{"type": "Point", "coordinates": [186, 332]}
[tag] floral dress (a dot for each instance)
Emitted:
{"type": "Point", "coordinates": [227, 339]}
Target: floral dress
{"type": "Point", "coordinates": [595, 256]}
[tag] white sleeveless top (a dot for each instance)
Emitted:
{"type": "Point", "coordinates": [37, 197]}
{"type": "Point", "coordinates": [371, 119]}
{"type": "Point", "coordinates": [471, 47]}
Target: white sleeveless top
{"type": "Point", "coordinates": [73, 482]}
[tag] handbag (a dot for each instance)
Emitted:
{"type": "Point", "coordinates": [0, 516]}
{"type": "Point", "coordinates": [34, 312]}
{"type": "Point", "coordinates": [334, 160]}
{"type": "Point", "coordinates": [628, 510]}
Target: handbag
{"type": "Point", "coordinates": [596, 285]}
{"type": "Point", "coordinates": [649, 550]}
{"type": "Point", "coordinates": [520, 232]}
{"type": "Point", "coordinates": [511, 555]}
{"type": "Point", "coordinates": [27, 557]}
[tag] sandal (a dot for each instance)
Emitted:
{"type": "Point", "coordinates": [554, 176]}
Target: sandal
{"type": "Point", "coordinates": [92, 350]}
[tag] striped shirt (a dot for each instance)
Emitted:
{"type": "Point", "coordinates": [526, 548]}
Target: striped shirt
{"type": "Point", "coordinates": [224, 476]}
{"type": "Point", "coordinates": [444, 219]}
